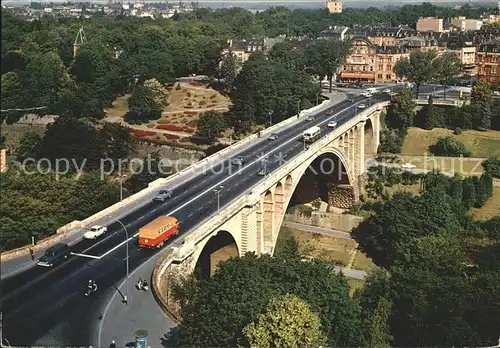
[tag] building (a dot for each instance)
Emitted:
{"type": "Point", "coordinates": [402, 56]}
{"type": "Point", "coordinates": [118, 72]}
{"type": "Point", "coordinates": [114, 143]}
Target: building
{"type": "Point", "coordinates": [387, 56]}
{"type": "Point", "coordinates": [334, 6]}
{"type": "Point", "coordinates": [359, 66]}
{"type": "Point", "coordinates": [334, 32]}
{"type": "Point", "coordinates": [466, 52]}
{"type": "Point", "coordinates": [418, 43]}
{"type": "Point", "coordinates": [430, 24]}
{"type": "Point", "coordinates": [488, 61]}
{"type": "Point", "coordinates": [242, 49]}
{"type": "Point", "coordinates": [465, 24]}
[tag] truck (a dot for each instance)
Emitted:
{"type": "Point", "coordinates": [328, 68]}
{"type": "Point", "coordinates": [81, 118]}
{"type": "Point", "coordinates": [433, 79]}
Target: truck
{"type": "Point", "coordinates": [154, 234]}
{"type": "Point", "coordinates": [312, 134]}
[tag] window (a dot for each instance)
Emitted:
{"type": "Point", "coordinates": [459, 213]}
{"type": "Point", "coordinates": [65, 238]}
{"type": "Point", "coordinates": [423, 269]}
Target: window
{"type": "Point", "coordinates": [371, 68]}
{"type": "Point", "coordinates": [388, 77]}
{"type": "Point", "coordinates": [380, 76]}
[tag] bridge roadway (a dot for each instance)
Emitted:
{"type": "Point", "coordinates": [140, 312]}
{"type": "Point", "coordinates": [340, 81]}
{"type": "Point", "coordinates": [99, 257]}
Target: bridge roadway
{"type": "Point", "coordinates": [37, 300]}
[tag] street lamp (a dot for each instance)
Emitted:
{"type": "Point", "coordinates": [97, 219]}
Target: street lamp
{"type": "Point", "coordinates": [265, 160]}
{"type": "Point", "coordinates": [270, 118]}
{"type": "Point", "coordinates": [125, 298]}
{"type": "Point", "coordinates": [217, 191]}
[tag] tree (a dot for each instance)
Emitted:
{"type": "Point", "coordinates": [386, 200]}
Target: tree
{"type": "Point", "coordinates": [449, 147]}
{"type": "Point", "coordinates": [11, 91]}
{"type": "Point", "coordinates": [139, 181]}
{"type": "Point", "coordinates": [446, 68]}
{"type": "Point", "coordinates": [325, 56]}
{"type": "Point", "coordinates": [492, 166]}
{"type": "Point", "coordinates": [289, 248]}
{"type": "Point", "coordinates": [379, 325]}
{"type": "Point", "coordinates": [117, 142]}
{"type": "Point", "coordinates": [469, 193]}
{"type": "Point", "coordinates": [401, 111]}
{"type": "Point", "coordinates": [160, 92]}
{"type": "Point", "coordinates": [211, 123]}
{"type": "Point", "coordinates": [143, 105]}
{"type": "Point", "coordinates": [481, 93]}
{"type": "Point", "coordinates": [286, 54]}
{"type": "Point", "coordinates": [417, 69]}
{"type": "Point", "coordinates": [29, 146]}
{"type": "Point", "coordinates": [434, 117]}
{"type": "Point", "coordinates": [258, 280]}
{"type": "Point", "coordinates": [228, 71]}
{"type": "Point", "coordinates": [287, 321]}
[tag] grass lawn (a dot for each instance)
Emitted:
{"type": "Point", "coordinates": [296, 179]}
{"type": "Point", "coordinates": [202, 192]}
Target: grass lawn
{"type": "Point", "coordinates": [14, 132]}
{"type": "Point", "coordinates": [319, 246]}
{"type": "Point", "coordinates": [481, 144]}
{"type": "Point", "coordinates": [491, 208]}
{"type": "Point", "coordinates": [119, 107]}
{"type": "Point", "coordinates": [464, 166]}
{"type": "Point", "coordinates": [362, 262]}
{"type": "Point", "coordinates": [355, 284]}
{"type": "Point", "coordinates": [415, 189]}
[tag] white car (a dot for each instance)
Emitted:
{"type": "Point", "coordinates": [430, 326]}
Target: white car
{"type": "Point", "coordinates": [361, 106]}
{"type": "Point", "coordinates": [332, 124]}
{"type": "Point", "coordinates": [387, 90]}
{"type": "Point", "coordinates": [366, 94]}
{"type": "Point", "coordinates": [408, 166]}
{"type": "Point", "coordinates": [95, 232]}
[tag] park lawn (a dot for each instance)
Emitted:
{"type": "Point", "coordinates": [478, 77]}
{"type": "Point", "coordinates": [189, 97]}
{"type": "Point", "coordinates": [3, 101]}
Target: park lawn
{"type": "Point", "coordinates": [490, 209]}
{"type": "Point", "coordinates": [14, 132]}
{"type": "Point", "coordinates": [464, 166]}
{"type": "Point", "coordinates": [363, 262]}
{"type": "Point", "coordinates": [320, 246]}
{"type": "Point", "coordinates": [119, 107]}
{"type": "Point", "coordinates": [481, 144]}
{"type": "Point", "coordinates": [355, 284]}
{"type": "Point", "coordinates": [415, 189]}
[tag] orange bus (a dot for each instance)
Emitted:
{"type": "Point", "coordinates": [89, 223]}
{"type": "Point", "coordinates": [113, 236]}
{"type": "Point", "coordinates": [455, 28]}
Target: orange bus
{"type": "Point", "coordinates": [154, 234]}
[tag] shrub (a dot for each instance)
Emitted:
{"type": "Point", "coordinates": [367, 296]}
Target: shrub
{"type": "Point", "coordinates": [188, 94]}
{"type": "Point", "coordinates": [188, 106]}
{"type": "Point", "coordinates": [138, 122]}
{"type": "Point", "coordinates": [185, 140]}
{"type": "Point", "coordinates": [151, 125]}
{"type": "Point", "coordinates": [213, 96]}
{"type": "Point", "coordinates": [202, 102]}
{"type": "Point", "coordinates": [178, 86]}
{"type": "Point", "coordinates": [457, 131]}
{"type": "Point", "coordinates": [212, 105]}
{"type": "Point", "coordinates": [188, 129]}
{"type": "Point", "coordinates": [184, 120]}
{"type": "Point", "coordinates": [171, 136]}
{"type": "Point", "coordinates": [449, 146]}
{"type": "Point", "coordinates": [191, 113]}
{"type": "Point", "coordinates": [192, 123]}
{"type": "Point", "coordinates": [131, 122]}
{"type": "Point", "coordinates": [492, 166]}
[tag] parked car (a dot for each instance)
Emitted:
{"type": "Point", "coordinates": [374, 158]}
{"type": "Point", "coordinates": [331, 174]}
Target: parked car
{"type": "Point", "coordinates": [387, 90]}
{"type": "Point", "coordinates": [95, 232]}
{"type": "Point", "coordinates": [239, 161]}
{"type": "Point", "coordinates": [163, 195]}
{"type": "Point", "coordinates": [54, 255]}
{"type": "Point", "coordinates": [263, 172]}
{"type": "Point", "coordinates": [309, 119]}
{"type": "Point", "coordinates": [332, 124]}
{"type": "Point", "coordinates": [361, 106]}
{"type": "Point", "coordinates": [273, 136]}
{"type": "Point", "coordinates": [366, 94]}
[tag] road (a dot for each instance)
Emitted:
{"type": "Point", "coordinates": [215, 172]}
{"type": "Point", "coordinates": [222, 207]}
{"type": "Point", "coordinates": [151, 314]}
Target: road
{"type": "Point", "coordinates": [38, 300]}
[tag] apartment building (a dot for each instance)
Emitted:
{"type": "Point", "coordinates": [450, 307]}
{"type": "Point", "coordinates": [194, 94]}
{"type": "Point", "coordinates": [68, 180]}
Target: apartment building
{"type": "Point", "coordinates": [430, 24]}
{"type": "Point", "coordinates": [488, 61]}
{"type": "Point", "coordinates": [465, 24]}
{"type": "Point", "coordinates": [334, 6]}
{"type": "Point", "coordinates": [360, 65]}
{"type": "Point", "coordinates": [242, 49]}
{"type": "Point", "coordinates": [386, 59]}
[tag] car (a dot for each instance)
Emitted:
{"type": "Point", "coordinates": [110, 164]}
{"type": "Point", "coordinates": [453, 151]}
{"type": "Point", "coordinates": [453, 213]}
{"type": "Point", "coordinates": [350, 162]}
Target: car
{"type": "Point", "coordinates": [54, 255]}
{"type": "Point", "coordinates": [350, 100]}
{"type": "Point", "coordinates": [239, 161]}
{"type": "Point", "coordinates": [361, 106]}
{"type": "Point", "coordinates": [408, 166]}
{"type": "Point", "coordinates": [95, 232]}
{"type": "Point", "coordinates": [387, 90]}
{"type": "Point", "coordinates": [263, 172]}
{"type": "Point", "coordinates": [496, 93]}
{"type": "Point", "coordinates": [163, 195]}
{"type": "Point", "coordinates": [273, 136]}
{"type": "Point", "coordinates": [366, 94]}
{"type": "Point", "coordinates": [310, 118]}
{"type": "Point", "coordinates": [332, 124]}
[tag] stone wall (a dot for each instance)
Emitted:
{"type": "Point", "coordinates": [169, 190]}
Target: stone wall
{"type": "Point", "coordinates": [331, 220]}
{"type": "Point", "coordinates": [341, 196]}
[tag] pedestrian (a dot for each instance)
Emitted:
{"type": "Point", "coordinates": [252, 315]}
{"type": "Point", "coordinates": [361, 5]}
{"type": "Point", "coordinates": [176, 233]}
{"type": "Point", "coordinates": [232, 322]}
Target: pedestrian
{"type": "Point", "coordinates": [112, 345]}
{"type": "Point", "coordinates": [32, 254]}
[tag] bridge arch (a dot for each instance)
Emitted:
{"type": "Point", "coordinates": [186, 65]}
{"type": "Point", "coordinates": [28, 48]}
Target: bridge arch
{"type": "Point", "coordinates": [218, 248]}
{"type": "Point", "coordinates": [369, 136]}
{"type": "Point", "coordinates": [340, 173]}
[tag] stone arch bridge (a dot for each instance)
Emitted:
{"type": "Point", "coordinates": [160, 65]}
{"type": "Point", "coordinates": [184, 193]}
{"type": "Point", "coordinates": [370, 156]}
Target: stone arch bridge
{"type": "Point", "coordinates": [331, 168]}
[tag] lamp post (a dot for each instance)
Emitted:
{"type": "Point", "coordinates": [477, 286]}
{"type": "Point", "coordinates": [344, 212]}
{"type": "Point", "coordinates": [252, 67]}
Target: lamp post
{"type": "Point", "coordinates": [217, 191]}
{"type": "Point", "coordinates": [298, 107]}
{"type": "Point", "coordinates": [270, 118]}
{"type": "Point", "coordinates": [125, 297]}
{"type": "Point", "coordinates": [265, 160]}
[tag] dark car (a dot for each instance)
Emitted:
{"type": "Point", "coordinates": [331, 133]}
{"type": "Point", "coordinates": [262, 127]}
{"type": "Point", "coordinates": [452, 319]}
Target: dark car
{"type": "Point", "coordinates": [54, 255]}
{"type": "Point", "coordinates": [239, 161]}
{"type": "Point", "coordinates": [163, 195]}
{"type": "Point", "coordinates": [263, 172]}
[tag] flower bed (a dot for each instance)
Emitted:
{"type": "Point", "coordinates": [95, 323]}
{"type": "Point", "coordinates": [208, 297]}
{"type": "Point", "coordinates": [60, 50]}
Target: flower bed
{"type": "Point", "coordinates": [191, 113]}
{"type": "Point", "coordinates": [141, 133]}
{"type": "Point", "coordinates": [171, 136]}
{"type": "Point", "coordinates": [174, 128]}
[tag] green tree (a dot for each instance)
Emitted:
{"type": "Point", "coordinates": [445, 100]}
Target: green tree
{"type": "Point", "coordinates": [492, 166]}
{"type": "Point", "coordinates": [117, 142]}
{"type": "Point", "coordinates": [434, 117]}
{"type": "Point", "coordinates": [417, 69]}
{"type": "Point", "coordinates": [29, 146]}
{"type": "Point", "coordinates": [11, 91]}
{"type": "Point", "coordinates": [401, 111]}
{"type": "Point", "coordinates": [211, 123]}
{"type": "Point", "coordinates": [289, 248]}
{"type": "Point", "coordinates": [481, 93]}
{"type": "Point", "coordinates": [140, 180]}
{"type": "Point", "coordinates": [160, 92]}
{"type": "Point", "coordinates": [285, 53]}
{"type": "Point", "coordinates": [287, 321]}
{"type": "Point", "coordinates": [143, 105]}
{"type": "Point", "coordinates": [228, 71]}
{"type": "Point", "coordinates": [258, 280]}
{"type": "Point", "coordinates": [446, 68]}
{"type": "Point", "coordinates": [469, 193]}
{"type": "Point", "coordinates": [379, 333]}
{"type": "Point", "coordinates": [449, 147]}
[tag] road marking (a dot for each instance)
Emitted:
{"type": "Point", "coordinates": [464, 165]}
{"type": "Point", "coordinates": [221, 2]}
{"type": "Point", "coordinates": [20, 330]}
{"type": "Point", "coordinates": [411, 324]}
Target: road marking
{"type": "Point", "coordinates": [85, 255]}
{"type": "Point", "coordinates": [227, 178]}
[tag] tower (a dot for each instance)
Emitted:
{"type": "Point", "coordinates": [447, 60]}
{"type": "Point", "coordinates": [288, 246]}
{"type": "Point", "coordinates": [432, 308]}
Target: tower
{"type": "Point", "coordinates": [79, 41]}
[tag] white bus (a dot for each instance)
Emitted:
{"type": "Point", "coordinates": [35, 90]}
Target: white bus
{"type": "Point", "coordinates": [312, 134]}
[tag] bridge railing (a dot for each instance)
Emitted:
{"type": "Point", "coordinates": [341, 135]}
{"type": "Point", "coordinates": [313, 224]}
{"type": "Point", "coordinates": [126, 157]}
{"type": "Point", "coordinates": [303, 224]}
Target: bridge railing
{"type": "Point", "coordinates": [449, 102]}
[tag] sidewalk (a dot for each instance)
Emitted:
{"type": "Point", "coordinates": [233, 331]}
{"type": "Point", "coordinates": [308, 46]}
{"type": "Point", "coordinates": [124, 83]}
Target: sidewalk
{"type": "Point", "coordinates": [142, 312]}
